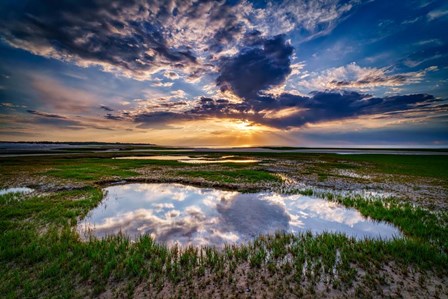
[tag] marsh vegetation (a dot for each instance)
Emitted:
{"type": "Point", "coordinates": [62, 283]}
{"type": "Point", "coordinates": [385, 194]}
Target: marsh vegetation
{"type": "Point", "coordinates": [43, 255]}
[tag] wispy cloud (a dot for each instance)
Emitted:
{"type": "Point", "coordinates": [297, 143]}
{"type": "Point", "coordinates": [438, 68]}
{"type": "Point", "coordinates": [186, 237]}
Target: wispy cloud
{"type": "Point", "coordinates": [44, 114]}
{"type": "Point", "coordinates": [436, 14]}
{"type": "Point", "coordinates": [362, 78]}
{"type": "Point", "coordinates": [56, 120]}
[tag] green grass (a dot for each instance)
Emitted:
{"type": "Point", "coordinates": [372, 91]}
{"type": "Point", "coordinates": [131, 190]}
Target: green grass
{"type": "Point", "coordinates": [233, 176]}
{"type": "Point", "coordinates": [89, 172]}
{"type": "Point", "coordinates": [415, 165]}
{"type": "Point", "coordinates": [416, 223]}
{"type": "Point", "coordinates": [41, 255]}
{"type": "Point", "coordinates": [96, 168]}
{"type": "Point", "coordinates": [431, 166]}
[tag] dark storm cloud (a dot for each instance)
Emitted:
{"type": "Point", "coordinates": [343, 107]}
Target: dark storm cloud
{"type": "Point", "coordinates": [256, 68]}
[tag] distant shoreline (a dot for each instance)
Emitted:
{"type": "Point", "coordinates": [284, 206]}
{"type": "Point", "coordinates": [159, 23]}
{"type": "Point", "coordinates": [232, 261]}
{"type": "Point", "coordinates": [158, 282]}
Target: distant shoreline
{"type": "Point", "coordinates": [23, 149]}
{"type": "Point", "coordinates": [215, 148]}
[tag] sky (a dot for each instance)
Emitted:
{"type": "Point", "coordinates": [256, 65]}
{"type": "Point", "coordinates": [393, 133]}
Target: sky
{"type": "Point", "coordinates": [304, 73]}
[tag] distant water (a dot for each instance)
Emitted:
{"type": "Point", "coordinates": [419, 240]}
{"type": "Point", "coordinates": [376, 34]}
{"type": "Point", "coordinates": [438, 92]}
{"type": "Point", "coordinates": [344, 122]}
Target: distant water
{"type": "Point", "coordinates": [338, 151]}
{"type": "Point", "coordinates": [186, 215]}
{"type": "Point", "coordinates": [191, 160]}
{"type": "Point", "coordinates": [33, 146]}
{"type": "Point", "coordinates": [8, 149]}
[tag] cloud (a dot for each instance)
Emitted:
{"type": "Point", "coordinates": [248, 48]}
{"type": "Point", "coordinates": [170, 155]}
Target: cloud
{"type": "Point", "coordinates": [50, 119]}
{"type": "Point", "coordinates": [106, 108]}
{"type": "Point", "coordinates": [328, 106]}
{"type": "Point", "coordinates": [291, 111]}
{"type": "Point", "coordinates": [44, 114]}
{"type": "Point", "coordinates": [238, 52]}
{"type": "Point", "coordinates": [432, 52]}
{"type": "Point", "coordinates": [265, 65]}
{"type": "Point", "coordinates": [140, 38]}
{"type": "Point", "coordinates": [160, 120]}
{"type": "Point", "coordinates": [316, 17]}
{"type": "Point", "coordinates": [11, 106]}
{"type": "Point", "coordinates": [158, 83]}
{"type": "Point", "coordinates": [436, 14]}
{"type": "Point", "coordinates": [122, 36]}
{"type": "Point", "coordinates": [257, 68]}
{"type": "Point", "coordinates": [171, 75]}
{"type": "Point", "coordinates": [363, 78]}
{"type": "Point", "coordinates": [113, 117]}
{"type": "Point", "coordinates": [178, 93]}
{"type": "Point", "coordinates": [55, 96]}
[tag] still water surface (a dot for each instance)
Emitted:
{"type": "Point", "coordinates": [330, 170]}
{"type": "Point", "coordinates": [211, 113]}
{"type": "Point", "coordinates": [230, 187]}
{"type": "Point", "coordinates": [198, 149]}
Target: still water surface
{"type": "Point", "coordinates": [187, 215]}
{"type": "Point", "coordinates": [191, 160]}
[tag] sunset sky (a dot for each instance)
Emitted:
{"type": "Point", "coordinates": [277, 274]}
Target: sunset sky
{"type": "Point", "coordinates": [225, 73]}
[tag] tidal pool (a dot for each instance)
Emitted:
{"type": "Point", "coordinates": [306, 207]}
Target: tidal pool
{"type": "Point", "coordinates": [191, 160]}
{"type": "Point", "coordinates": [16, 190]}
{"type": "Point", "coordinates": [186, 215]}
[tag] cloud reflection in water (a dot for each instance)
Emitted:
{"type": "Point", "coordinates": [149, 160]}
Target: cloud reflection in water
{"type": "Point", "coordinates": [175, 213]}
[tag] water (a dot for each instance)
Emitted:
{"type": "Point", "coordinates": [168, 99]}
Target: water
{"type": "Point", "coordinates": [16, 190]}
{"type": "Point", "coordinates": [191, 160]}
{"type": "Point", "coordinates": [186, 215]}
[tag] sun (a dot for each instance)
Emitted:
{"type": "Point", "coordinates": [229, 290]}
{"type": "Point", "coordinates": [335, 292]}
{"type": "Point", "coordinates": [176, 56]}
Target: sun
{"type": "Point", "coordinates": [245, 126]}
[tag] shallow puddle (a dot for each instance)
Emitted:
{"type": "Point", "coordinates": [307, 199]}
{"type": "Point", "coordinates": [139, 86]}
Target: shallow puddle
{"type": "Point", "coordinates": [175, 213]}
{"type": "Point", "coordinates": [16, 190]}
{"type": "Point", "coordinates": [192, 160]}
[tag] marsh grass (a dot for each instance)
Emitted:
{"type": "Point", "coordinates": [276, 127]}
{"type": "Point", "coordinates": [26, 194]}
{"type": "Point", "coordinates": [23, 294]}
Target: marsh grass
{"type": "Point", "coordinates": [97, 169]}
{"type": "Point", "coordinates": [42, 255]}
{"type": "Point", "coordinates": [232, 176]}
{"type": "Point", "coordinates": [414, 165]}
